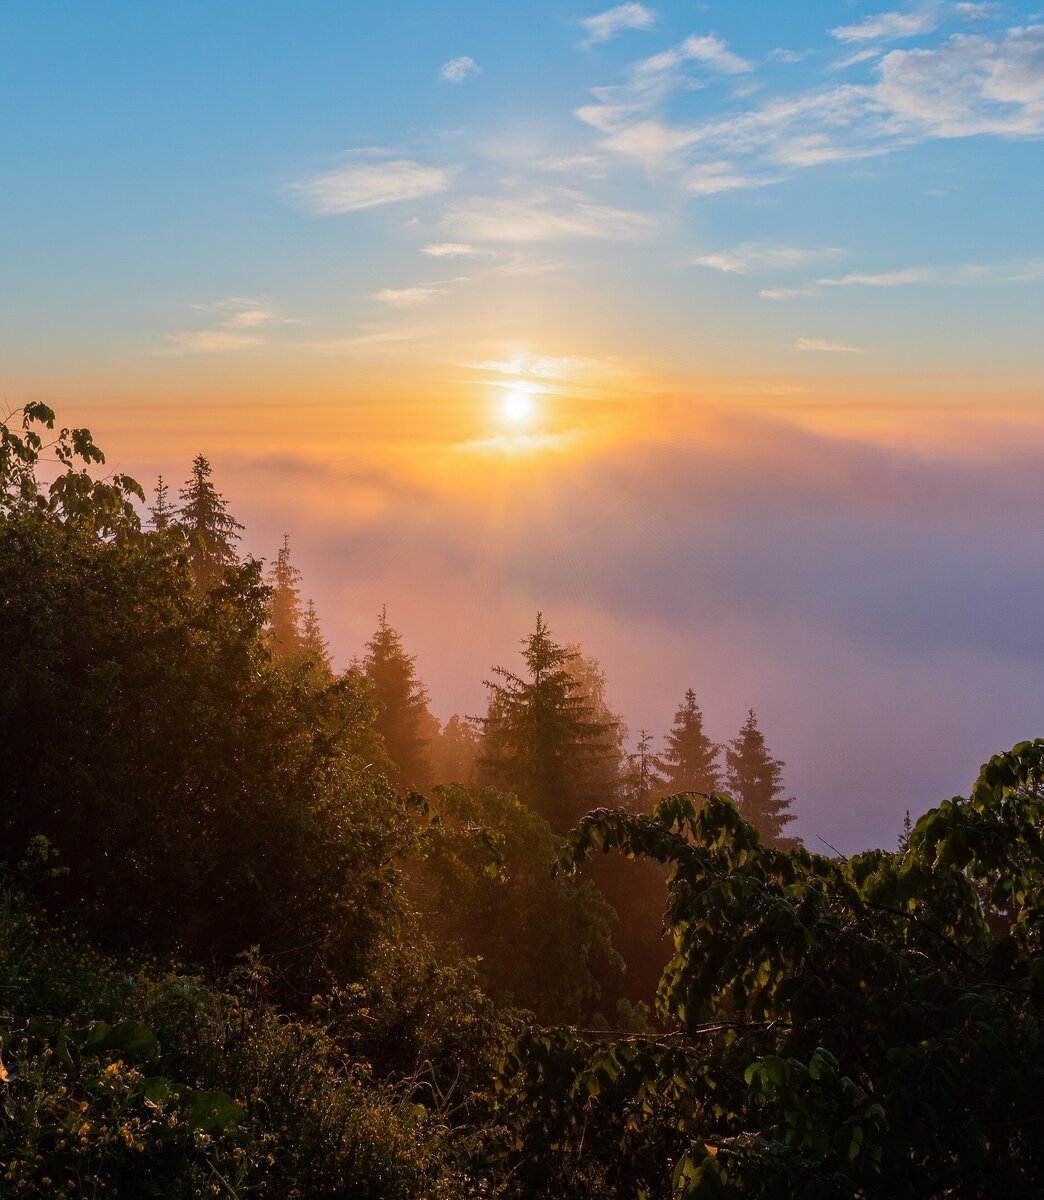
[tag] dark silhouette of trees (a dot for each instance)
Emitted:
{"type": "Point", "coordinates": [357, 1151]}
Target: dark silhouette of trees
{"type": "Point", "coordinates": [544, 739]}
{"type": "Point", "coordinates": [284, 633]}
{"type": "Point", "coordinates": [162, 514]}
{"type": "Point", "coordinates": [689, 762]}
{"type": "Point", "coordinates": [642, 782]}
{"type": "Point", "coordinates": [487, 887]}
{"type": "Point", "coordinates": [313, 644]}
{"type": "Point", "coordinates": [403, 719]}
{"type": "Point", "coordinates": [754, 779]}
{"type": "Point", "coordinates": [455, 752]}
{"type": "Point", "coordinates": [209, 526]}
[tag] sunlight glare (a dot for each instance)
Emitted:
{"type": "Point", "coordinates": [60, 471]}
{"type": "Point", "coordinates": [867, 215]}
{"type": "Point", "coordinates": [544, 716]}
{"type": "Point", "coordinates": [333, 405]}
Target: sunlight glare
{"type": "Point", "coordinates": [516, 408]}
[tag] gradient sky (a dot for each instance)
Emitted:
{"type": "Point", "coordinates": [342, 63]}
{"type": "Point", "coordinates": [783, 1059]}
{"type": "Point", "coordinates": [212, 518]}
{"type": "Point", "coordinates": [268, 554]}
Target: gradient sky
{"type": "Point", "coordinates": [713, 330]}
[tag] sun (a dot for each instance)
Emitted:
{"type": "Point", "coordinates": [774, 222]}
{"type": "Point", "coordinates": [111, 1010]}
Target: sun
{"type": "Point", "coordinates": [516, 408]}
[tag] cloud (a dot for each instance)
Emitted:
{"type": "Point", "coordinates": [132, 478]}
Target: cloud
{"type": "Point", "coordinates": [891, 26]}
{"type": "Point", "coordinates": [821, 346]}
{"type": "Point", "coordinates": [543, 215]}
{"type": "Point", "coordinates": [1028, 270]}
{"type": "Point", "coordinates": [710, 178]}
{"type": "Point", "coordinates": [749, 258]}
{"type": "Point", "coordinates": [885, 279]}
{"type": "Point", "coordinates": [366, 185]}
{"type": "Point", "coordinates": [409, 297]}
{"type": "Point", "coordinates": [787, 293]}
{"type": "Point", "coordinates": [449, 250]}
{"type": "Point", "coordinates": [242, 313]}
{"type": "Point", "coordinates": [458, 69]}
{"type": "Point", "coordinates": [373, 341]}
{"type": "Point", "coordinates": [708, 50]}
{"type": "Point", "coordinates": [787, 56]}
{"type": "Point", "coordinates": [968, 85]}
{"type": "Point", "coordinates": [207, 341]}
{"type": "Point", "coordinates": [607, 25]}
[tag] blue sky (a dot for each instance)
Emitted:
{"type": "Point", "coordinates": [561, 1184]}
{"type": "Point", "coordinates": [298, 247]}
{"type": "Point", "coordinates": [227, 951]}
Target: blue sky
{"type": "Point", "coordinates": [769, 278]}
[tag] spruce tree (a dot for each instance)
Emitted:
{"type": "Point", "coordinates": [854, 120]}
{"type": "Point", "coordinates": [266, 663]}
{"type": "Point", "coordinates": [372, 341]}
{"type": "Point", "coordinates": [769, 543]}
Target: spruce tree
{"type": "Point", "coordinates": [455, 752]}
{"type": "Point", "coordinates": [162, 514]}
{"type": "Point", "coordinates": [284, 633]}
{"type": "Point", "coordinates": [754, 779]}
{"type": "Point", "coordinates": [403, 720]}
{"type": "Point", "coordinates": [543, 737]}
{"type": "Point", "coordinates": [313, 645]}
{"type": "Point", "coordinates": [690, 761]}
{"type": "Point", "coordinates": [210, 527]}
{"type": "Point", "coordinates": [643, 780]}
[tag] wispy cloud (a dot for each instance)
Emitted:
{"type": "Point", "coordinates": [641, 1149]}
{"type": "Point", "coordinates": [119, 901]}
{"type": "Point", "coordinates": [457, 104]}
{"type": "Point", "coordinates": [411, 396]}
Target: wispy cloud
{"type": "Point", "coordinates": [207, 341]}
{"type": "Point", "coordinates": [543, 215]}
{"type": "Point", "coordinates": [458, 69]}
{"type": "Point", "coordinates": [884, 279]}
{"type": "Point", "coordinates": [819, 345]}
{"type": "Point", "coordinates": [366, 185]}
{"type": "Point", "coordinates": [968, 85]}
{"type": "Point", "coordinates": [373, 340]}
{"type": "Point", "coordinates": [239, 312]}
{"type": "Point", "coordinates": [750, 258]}
{"type": "Point", "coordinates": [891, 26]}
{"type": "Point", "coordinates": [608, 24]}
{"type": "Point", "coordinates": [788, 293]}
{"type": "Point", "coordinates": [449, 250]}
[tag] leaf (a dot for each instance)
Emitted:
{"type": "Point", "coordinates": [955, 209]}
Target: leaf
{"type": "Point", "coordinates": [213, 1112]}
{"type": "Point", "coordinates": [127, 1037]}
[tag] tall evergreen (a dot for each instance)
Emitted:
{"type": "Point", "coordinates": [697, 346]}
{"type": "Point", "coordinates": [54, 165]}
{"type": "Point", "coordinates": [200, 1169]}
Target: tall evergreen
{"type": "Point", "coordinates": [162, 514]}
{"type": "Point", "coordinates": [643, 779]}
{"type": "Point", "coordinates": [313, 645]}
{"type": "Point", "coordinates": [455, 752]}
{"type": "Point", "coordinates": [754, 779]}
{"type": "Point", "coordinates": [690, 761]}
{"type": "Point", "coordinates": [543, 737]}
{"type": "Point", "coordinates": [210, 527]}
{"type": "Point", "coordinates": [403, 720]}
{"type": "Point", "coordinates": [284, 633]}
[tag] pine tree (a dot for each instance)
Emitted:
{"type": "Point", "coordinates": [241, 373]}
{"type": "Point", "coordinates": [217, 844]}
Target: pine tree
{"type": "Point", "coordinates": [210, 527]}
{"type": "Point", "coordinates": [690, 761]}
{"type": "Point", "coordinates": [543, 737]}
{"type": "Point", "coordinates": [455, 752]}
{"type": "Point", "coordinates": [313, 645]}
{"type": "Point", "coordinates": [284, 633]}
{"type": "Point", "coordinates": [162, 513]}
{"type": "Point", "coordinates": [754, 779]}
{"type": "Point", "coordinates": [403, 720]}
{"type": "Point", "coordinates": [643, 779]}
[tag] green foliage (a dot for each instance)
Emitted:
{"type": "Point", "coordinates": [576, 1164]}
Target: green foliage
{"type": "Point", "coordinates": [203, 798]}
{"type": "Point", "coordinates": [402, 718]}
{"type": "Point", "coordinates": [74, 496]}
{"type": "Point", "coordinates": [754, 779]}
{"type": "Point", "coordinates": [860, 1027]}
{"type": "Point", "coordinates": [690, 761]}
{"type": "Point", "coordinates": [486, 886]}
{"type": "Point", "coordinates": [209, 527]}
{"type": "Point", "coordinates": [284, 633]}
{"type": "Point", "coordinates": [544, 739]}
{"type": "Point", "coordinates": [121, 1080]}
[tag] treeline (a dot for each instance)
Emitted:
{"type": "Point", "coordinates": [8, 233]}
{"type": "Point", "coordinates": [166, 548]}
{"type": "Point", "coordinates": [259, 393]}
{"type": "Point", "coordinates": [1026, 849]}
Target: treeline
{"type": "Point", "coordinates": [250, 947]}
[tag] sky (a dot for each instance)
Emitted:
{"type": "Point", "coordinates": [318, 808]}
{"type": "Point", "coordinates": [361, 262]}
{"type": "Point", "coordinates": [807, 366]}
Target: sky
{"type": "Point", "coordinates": [713, 331]}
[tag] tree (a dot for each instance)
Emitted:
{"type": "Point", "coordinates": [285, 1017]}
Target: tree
{"type": "Point", "coordinates": [690, 761]}
{"type": "Point", "coordinates": [403, 719]}
{"type": "Point", "coordinates": [313, 645]}
{"type": "Point", "coordinates": [284, 631]}
{"type": "Point", "coordinates": [211, 529]}
{"type": "Point", "coordinates": [543, 737]}
{"type": "Point", "coordinates": [643, 780]}
{"type": "Point", "coordinates": [455, 752]}
{"type": "Point", "coordinates": [161, 512]}
{"type": "Point", "coordinates": [487, 886]}
{"type": "Point", "coordinates": [754, 779]}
